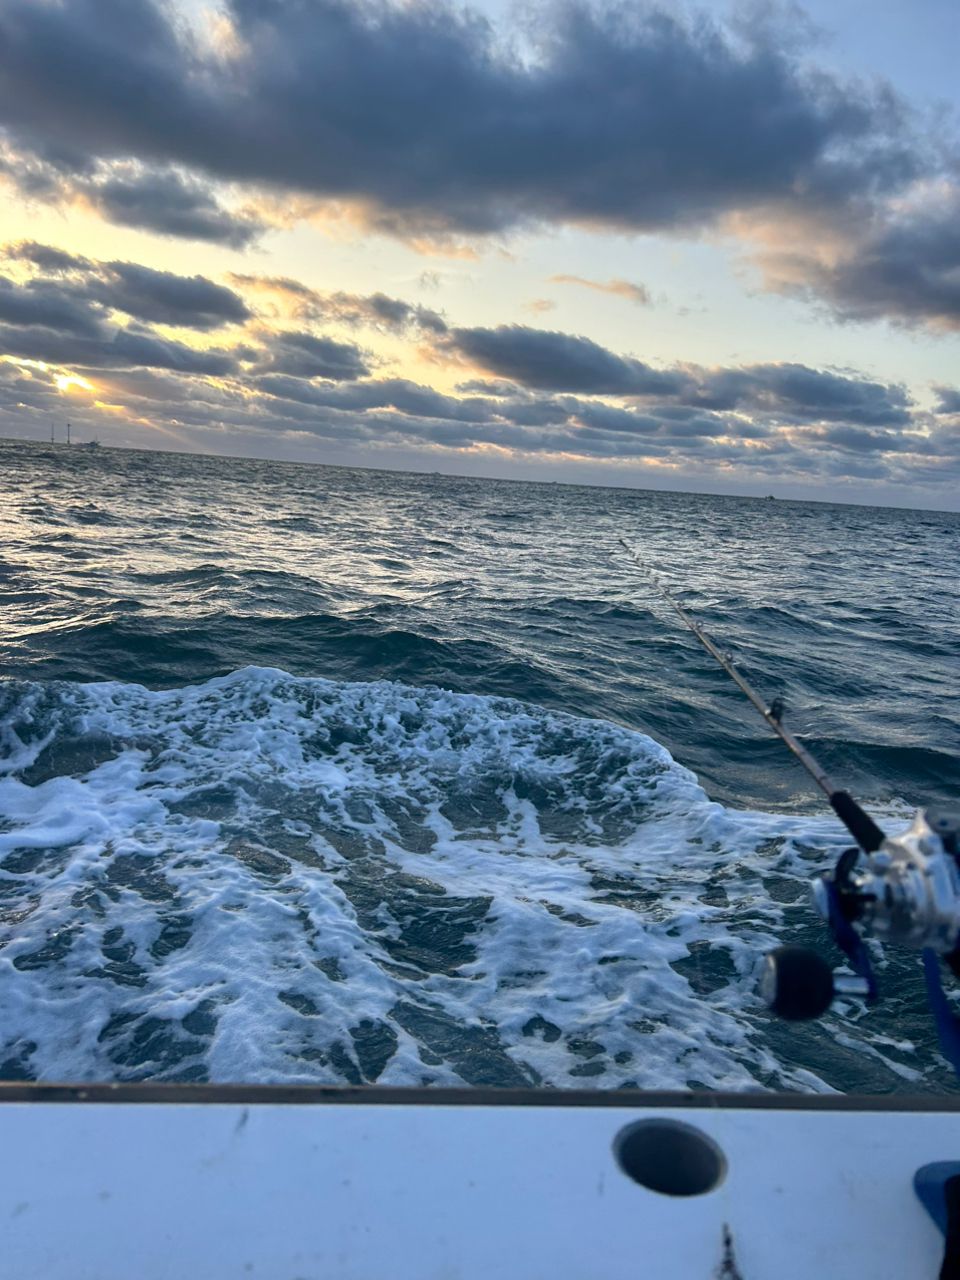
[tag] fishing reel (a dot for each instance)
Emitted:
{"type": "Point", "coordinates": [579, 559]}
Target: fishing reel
{"type": "Point", "coordinates": [905, 892]}
{"type": "Point", "coordinates": [908, 892]}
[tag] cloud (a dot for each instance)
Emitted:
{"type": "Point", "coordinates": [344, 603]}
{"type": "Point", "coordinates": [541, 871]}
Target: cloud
{"type": "Point", "coordinates": [624, 117]}
{"type": "Point", "coordinates": [386, 412]}
{"type": "Point", "coordinates": [376, 310]}
{"type": "Point", "coordinates": [552, 361]}
{"type": "Point", "coordinates": [903, 264]}
{"type": "Point", "coordinates": [864, 440]}
{"type": "Point", "coordinates": [553, 396]}
{"type": "Point", "coordinates": [628, 118]}
{"type": "Point", "coordinates": [160, 199]}
{"type": "Point", "coordinates": [158, 297]}
{"type": "Point", "coordinates": [296, 295]}
{"type": "Point", "coordinates": [47, 258]}
{"type": "Point", "coordinates": [120, 348]}
{"type": "Point", "coordinates": [387, 393]}
{"type": "Point", "coordinates": [392, 313]}
{"type": "Point", "coordinates": [545, 360]}
{"type": "Point", "coordinates": [637, 293]}
{"type": "Point", "coordinates": [948, 400]}
{"type": "Point", "coordinates": [375, 414]}
{"type": "Point", "coordinates": [163, 297]}
{"type": "Point", "coordinates": [62, 314]}
{"type": "Point", "coordinates": [27, 390]}
{"type": "Point", "coordinates": [795, 392]}
{"type": "Point", "coordinates": [42, 304]}
{"type": "Point", "coordinates": [302, 355]}
{"type": "Point", "coordinates": [170, 204]}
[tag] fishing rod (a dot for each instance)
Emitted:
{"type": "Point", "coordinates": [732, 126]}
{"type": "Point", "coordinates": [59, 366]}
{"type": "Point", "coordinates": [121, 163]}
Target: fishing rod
{"type": "Point", "coordinates": [904, 890]}
{"type": "Point", "coordinates": [860, 825]}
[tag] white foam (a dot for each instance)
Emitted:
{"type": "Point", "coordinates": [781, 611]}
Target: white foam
{"type": "Point", "coordinates": [278, 879]}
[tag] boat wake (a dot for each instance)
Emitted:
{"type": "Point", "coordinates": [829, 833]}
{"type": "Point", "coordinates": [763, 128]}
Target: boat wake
{"type": "Point", "coordinates": [271, 879]}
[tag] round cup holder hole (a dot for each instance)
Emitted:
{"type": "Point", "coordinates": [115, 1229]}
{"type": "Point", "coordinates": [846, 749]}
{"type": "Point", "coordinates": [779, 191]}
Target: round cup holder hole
{"type": "Point", "coordinates": [671, 1158]}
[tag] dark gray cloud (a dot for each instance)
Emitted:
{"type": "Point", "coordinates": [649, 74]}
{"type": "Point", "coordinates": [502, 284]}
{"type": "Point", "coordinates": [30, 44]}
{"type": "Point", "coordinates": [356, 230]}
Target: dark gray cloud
{"type": "Point", "coordinates": [303, 355]}
{"type": "Point", "coordinates": [948, 400]}
{"type": "Point", "coordinates": [131, 194]}
{"type": "Point", "coordinates": [551, 361]}
{"type": "Point", "coordinates": [904, 267]}
{"type": "Point", "coordinates": [945, 443]}
{"type": "Point", "coordinates": [628, 117]}
{"type": "Point", "coordinates": [608, 418]}
{"type": "Point", "coordinates": [162, 297]}
{"type": "Point", "coordinates": [120, 348]}
{"type": "Point", "coordinates": [632, 117]}
{"type": "Point", "coordinates": [567, 424]}
{"type": "Point", "coordinates": [388, 393]}
{"type": "Point", "coordinates": [35, 176]}
{"type": "Point", "coordinates": [394, 314]}
{"type": "Point", "coordinates": [799, 393]}
{"type": "Point", "coordinates": [487, 387]}
{"type": "Point", "coordinates": [171, 204]}
{"type": "Point", "coordinates": [159, 386]}
{"type": "Point", "coordinates": [40, 303]}
{"type": "Point", "coordinates": [128, 347]}
{"type": "Point", "coordinates": [545, 360]}
{"type": "Point", "coordinates": [47, 258]}
{"type": "Point", "coordinates": [158, 297]}
{"type": "Point", "coordinates": [62, 314]}
{"type": "Point", "coordinates": [864, 440]}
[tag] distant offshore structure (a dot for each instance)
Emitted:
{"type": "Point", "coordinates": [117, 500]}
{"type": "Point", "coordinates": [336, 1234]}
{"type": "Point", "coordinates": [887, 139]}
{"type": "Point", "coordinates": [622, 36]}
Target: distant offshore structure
{"type": "Point", "coordinates": [83, 444]}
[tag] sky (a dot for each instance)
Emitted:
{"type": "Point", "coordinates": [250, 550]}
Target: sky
{"type": "Point", "coordinates": [710, 246]}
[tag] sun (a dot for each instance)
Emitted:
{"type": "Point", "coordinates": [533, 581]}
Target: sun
{"type": "Point", "coordinates": [66, 382]}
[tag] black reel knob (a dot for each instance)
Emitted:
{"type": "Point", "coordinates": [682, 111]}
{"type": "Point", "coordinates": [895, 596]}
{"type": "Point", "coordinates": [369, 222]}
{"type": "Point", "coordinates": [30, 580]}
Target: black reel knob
{"type": "Point", "coordinates": [797, 983]}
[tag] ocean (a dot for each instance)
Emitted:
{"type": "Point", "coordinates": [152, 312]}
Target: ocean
{"type": "Point", "coordinates": [315, 774]}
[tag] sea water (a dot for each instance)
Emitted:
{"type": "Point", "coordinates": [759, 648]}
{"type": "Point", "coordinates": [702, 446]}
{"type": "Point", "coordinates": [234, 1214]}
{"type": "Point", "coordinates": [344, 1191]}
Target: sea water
{"type": "Point", "coordinates": [312, 774]}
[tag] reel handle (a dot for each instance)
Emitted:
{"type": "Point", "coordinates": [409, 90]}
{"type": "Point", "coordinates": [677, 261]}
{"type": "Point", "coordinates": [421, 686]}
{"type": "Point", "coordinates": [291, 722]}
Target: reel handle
{"type": "Point", "coordinates": [797, 984]}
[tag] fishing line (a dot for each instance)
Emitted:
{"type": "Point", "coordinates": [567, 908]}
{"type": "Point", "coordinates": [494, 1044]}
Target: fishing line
{"type": "Point", "coordinates": [860, 825]}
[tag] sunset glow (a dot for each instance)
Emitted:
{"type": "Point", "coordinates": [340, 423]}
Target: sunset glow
{"type": "Point", "coordinates": [67, 382]}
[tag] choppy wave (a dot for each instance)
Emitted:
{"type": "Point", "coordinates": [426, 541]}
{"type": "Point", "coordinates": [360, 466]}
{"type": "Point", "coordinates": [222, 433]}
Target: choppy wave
{"type": "Point", "coordinates": [266, 878]}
